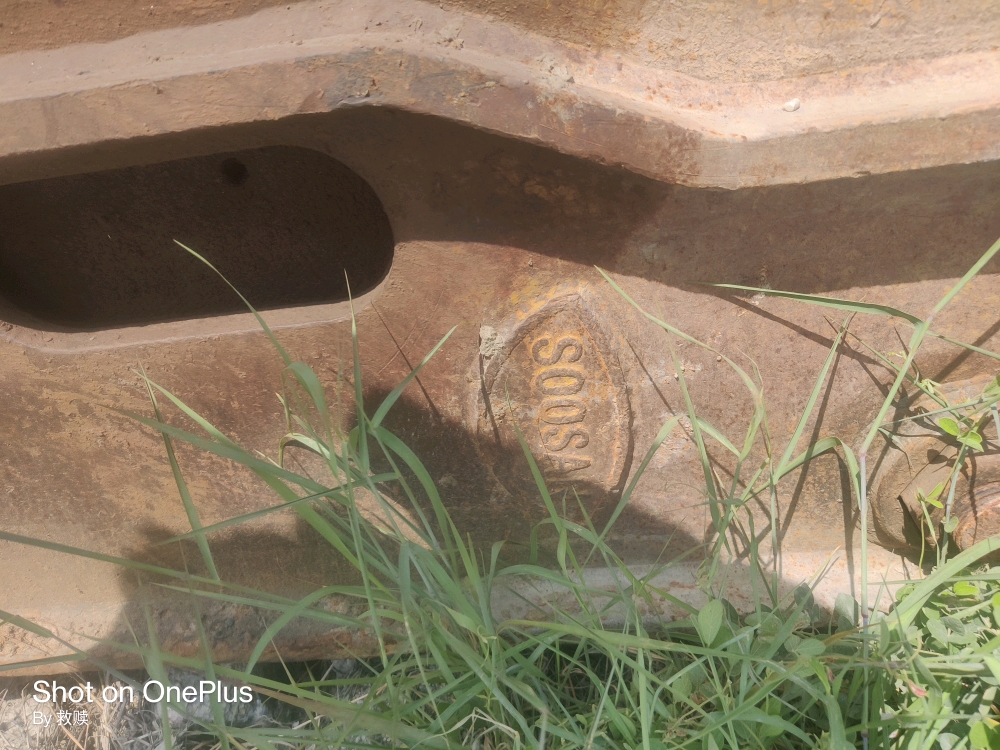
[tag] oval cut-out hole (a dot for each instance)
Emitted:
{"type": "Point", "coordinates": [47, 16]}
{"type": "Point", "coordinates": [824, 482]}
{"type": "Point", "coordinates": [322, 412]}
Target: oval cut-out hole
{"type": "Point", "coordinates": [287, 226]}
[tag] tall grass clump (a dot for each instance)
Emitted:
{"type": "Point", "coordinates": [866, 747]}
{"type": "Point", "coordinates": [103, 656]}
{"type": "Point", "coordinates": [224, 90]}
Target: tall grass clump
{"type": "Point", "coordinates": [445, 673]}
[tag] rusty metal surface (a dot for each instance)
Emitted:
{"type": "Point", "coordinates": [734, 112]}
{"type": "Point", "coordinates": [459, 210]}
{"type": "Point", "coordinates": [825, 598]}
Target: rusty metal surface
{"type": "Point", "coordinates": [618, 102]}
{"type": "Point", "coordinates": [738, 40]}
{"type": "Point", "coordinates": [497, 223]}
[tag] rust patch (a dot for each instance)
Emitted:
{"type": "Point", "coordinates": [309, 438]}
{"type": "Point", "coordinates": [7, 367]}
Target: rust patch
{"type": "Point", "coordinates": [554, 374]}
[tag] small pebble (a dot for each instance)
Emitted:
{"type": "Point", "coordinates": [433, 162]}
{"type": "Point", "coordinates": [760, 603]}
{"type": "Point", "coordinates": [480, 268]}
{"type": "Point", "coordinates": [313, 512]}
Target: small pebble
{"type": "Point", "coordinates": [792, 105]}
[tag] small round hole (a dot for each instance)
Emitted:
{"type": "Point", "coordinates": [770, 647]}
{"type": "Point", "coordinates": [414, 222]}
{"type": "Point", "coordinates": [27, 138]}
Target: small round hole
{"type": "Point", "coordinates": [234, 171]}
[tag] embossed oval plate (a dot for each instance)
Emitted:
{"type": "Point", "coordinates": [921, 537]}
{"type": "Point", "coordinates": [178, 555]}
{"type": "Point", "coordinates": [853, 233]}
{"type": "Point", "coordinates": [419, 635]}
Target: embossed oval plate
{"type": "Point", "coordinates": [556, 376]}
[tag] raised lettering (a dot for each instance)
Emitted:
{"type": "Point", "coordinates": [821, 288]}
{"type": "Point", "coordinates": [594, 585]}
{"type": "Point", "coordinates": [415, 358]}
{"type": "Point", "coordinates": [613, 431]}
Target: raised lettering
{"type": "Point", "coordinates": [560, 381]}
{"type": "Point", "coordinates": [562, 410]}
{"type": "Point", "coordinates": [557, 438]}
{"type": "Point", "coordinates": [563, 464]}
{"type": "Point", "coordinates": [567, 396]}
{"type": "Point", "coordinates": [557, 350]}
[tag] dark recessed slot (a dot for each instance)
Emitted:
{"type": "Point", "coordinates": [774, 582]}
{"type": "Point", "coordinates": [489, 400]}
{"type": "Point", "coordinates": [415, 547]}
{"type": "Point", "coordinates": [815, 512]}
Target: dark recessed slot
{"type": "Point", "coordinates": [283, 224]}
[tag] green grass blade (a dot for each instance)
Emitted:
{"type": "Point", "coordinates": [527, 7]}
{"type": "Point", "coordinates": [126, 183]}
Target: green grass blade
{"type": "Point", "coordinates": [910, 607]}
{"type": "Point", "coordinates": [661, 436]}
{"type": "Point", "coordinates": [813, 398]}
{"type": "Point", "coordinates": [219, 726]}
{"type": "Point", "coordinates": [348, 713]}
{"type": "Point", "coordinates": [275, 627]}
{"type": "Point", "coordinates": [706, 464]}
{"type": "Point", "coordinates": [831, 302]}
{"type": "Point", "coordinates": [390, 400]}
{"type": "Point", "coordinates": [747, 380]}
{"type": "Point", "coordinates": [337, 494]}
{"type": "Point", "coordinates": [260, 320]}
{"type": "Point", "coordinates": [969, 276]}
{"type": "Point", "coordinates": [182, 489]}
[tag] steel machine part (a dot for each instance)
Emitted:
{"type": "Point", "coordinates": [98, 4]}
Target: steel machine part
{"type": "Point", "coordinates": [470, 163]}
